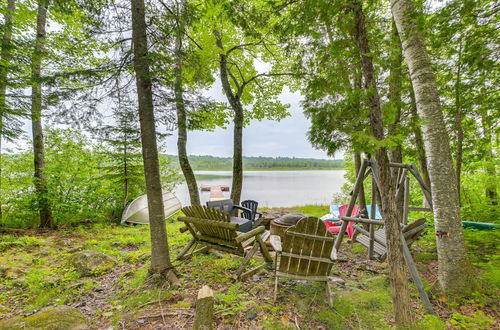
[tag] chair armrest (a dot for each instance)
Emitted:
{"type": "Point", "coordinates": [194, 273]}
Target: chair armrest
{"type": "Point", "coordinates": [183, 229]}
{"type": "Point", "coordinates": [254, 232]}
{"type": "Point", "coordinates": [259, 213]}
{"type": "Point", "coordinates": [333, 255]}
{"type": "Point", "coordinates": [242, 208]}
{"type": "Point", "coordinates": [275, 241]}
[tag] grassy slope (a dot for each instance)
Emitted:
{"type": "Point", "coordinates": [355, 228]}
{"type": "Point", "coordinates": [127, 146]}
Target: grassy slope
{"type": "Point", "coordinates": [36, 274]}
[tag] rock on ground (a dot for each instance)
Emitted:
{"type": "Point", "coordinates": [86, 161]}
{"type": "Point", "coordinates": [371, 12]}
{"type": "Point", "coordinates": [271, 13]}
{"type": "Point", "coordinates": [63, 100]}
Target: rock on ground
{"type": "Point", "coordinates": [51, 318]}
{"type": "Point", "coordinates": [92, 263]}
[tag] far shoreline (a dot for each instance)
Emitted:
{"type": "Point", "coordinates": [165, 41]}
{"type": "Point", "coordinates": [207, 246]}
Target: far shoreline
{"type": "Point", "coordinates": [275, 169]}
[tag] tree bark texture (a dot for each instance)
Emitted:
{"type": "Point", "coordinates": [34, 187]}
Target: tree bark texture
{"type": "Point", "coordinates": [204, 317]}
{"type": "Point", "coordinates": [453, 263]}
{"type": "Point", "coordinates": [5, 56]}
{"type": "Point", "coordinates": [237, 106]}
{"type": "Point", "coordinates": [46, 219]}
{"type": "Point", "coordinates": [489, 162]}
{"type": "Point", "coordinates": [361, 194]}
{"type": "Point", "coordinates": [397, 271]}
{"type": "Point", "coordinates": [459, 130]}
{"type": "Point", "coordinates": [395, 87]}
{"type": "Point", "coordinates": [160, 256]}
{"type": "Point", "coordinates": [419, 140]}
{"type": "Point", "coordinates": [181, 118]}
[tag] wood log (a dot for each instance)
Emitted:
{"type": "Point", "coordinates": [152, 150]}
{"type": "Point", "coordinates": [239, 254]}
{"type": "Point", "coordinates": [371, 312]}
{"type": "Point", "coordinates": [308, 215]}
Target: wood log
{"type": "Point", "coordinates": [254, 232]}
{"type": "Point", "coordinates": [204, 316]}
{"type": "Point", "coordinates": [412, 268]}
{"type": "Point", "coordinates": [362, 220]}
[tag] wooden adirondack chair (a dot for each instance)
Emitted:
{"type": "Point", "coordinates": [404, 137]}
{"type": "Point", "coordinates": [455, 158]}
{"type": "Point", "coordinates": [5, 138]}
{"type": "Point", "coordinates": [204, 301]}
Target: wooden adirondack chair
{"type": "Point", "coordinates": [305, 253]}
{"type": "Point", "coordinates": [213, 229]}
{"type": "Point", "coordinates": [411, 233]}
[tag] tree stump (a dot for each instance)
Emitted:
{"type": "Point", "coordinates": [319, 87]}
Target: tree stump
{"type": "Point", "coordinates": [204, 316]}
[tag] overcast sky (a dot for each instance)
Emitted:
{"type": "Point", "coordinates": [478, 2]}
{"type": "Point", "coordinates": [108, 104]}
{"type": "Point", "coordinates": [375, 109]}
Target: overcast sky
{"type": "Point", "coordinates": [286, 138]}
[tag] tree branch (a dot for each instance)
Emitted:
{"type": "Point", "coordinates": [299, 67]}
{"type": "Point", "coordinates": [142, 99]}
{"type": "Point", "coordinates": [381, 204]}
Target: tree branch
{"type": "Point", "coordinates": [243, 46]}
{"type": "Point", "coordinates": [260, 75]}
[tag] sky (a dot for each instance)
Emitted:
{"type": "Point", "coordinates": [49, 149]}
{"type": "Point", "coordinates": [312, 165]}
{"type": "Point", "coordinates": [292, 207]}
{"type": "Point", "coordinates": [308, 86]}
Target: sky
{"type": "Point", "coordinates": [286, 138]}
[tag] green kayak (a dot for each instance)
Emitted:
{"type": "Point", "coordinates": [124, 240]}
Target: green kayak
{"type": "Point", "coordinates": [480, 225]}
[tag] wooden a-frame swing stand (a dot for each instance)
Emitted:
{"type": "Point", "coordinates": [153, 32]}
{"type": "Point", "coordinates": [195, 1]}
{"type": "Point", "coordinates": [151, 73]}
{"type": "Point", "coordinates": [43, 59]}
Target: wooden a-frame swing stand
{"type": "Point", "coordinates": [369, 168]}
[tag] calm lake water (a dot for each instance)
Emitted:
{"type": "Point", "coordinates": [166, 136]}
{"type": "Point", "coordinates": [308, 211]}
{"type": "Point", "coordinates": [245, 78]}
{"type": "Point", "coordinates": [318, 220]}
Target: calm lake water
{"type": "Point", "coordinates": [274, 188]}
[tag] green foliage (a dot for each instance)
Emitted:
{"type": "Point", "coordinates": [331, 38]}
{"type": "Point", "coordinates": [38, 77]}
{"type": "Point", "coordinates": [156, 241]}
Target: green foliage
{"type": "Point", "coordinates": [79, 183]}
{"type": "Point", "coordinates": [211, 163]}
{"type": "Point", "coordinates": [431, 322]}
{"type": "Point", "coordinates": [478, 321]}
{"type": "Point", "coordinates": [231, 302]}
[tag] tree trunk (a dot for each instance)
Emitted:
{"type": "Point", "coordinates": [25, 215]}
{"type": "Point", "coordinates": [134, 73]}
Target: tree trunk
{"type": "Point", "coordinates": [237, 106]}
{"type": "Point", "coordinates": [395, 87]}
{"type": "Point", "coordinates": [160, 256]}
{"type": "Point", "coordinates": [397, 274]}
{"type": "Point", "coordinates": [237, 184]}
{"type": "Point", "coordinates": [5, 56]}
{"type": "Point", "coordinates": [453, 263]}
{"type": "Point", "coordinates": [357, 85]}
{"type": "Point", "coordinates": [458, 123]}
{"type": "Point", "coordinates": [204, 317]}
{"type": "Point", "coordinates": [125, 173]}
{"type": "Point", "coordinates": [361, 194]}
{"type": "Point", "coordinates": [489, 163]}
{"type": "Point", "coordinates": [46, 219]}
{"type": "Point", "coordinates": [419, 141]}
{"type": "Point", "coordinates": [181, 118]}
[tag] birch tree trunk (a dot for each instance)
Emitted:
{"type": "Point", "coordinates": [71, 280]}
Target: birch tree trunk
{"type": "Point", "coordinates": [160, 255]}
{"type": "Point", "coordinates": [5, 56]}
{"type": "Point", "coordinates": [46, 219]}
{"type": "Point", "coordinates": [459, 130]}
{"type": "Point", "coordinates": [397, 272]}
{"type": "Point", "coordinates": [453, 263]}
{"type": "Point", "coordinates": [186, 168]}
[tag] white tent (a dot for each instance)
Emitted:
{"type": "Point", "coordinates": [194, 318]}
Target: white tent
{"type": "Point", "coordinates": [137, 211]}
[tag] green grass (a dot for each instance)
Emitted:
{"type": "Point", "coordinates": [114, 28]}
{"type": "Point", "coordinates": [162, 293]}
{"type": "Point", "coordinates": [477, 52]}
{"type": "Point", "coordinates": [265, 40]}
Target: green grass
{"type": "Point", "coordinates": [313, 210]}
{"type": "Point", "coordinates": [35, 273]}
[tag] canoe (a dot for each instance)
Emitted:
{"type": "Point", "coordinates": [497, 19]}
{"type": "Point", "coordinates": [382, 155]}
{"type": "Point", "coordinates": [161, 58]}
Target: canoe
{"type": "Point", "coordinates": [137, 211]}
{"type": "Point", "coordinates": [480, 225]}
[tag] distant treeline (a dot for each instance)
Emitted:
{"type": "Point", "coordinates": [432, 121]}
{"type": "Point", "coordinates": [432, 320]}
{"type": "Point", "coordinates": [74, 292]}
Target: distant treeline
{"type": "Point", "coordinates": [207, 163]}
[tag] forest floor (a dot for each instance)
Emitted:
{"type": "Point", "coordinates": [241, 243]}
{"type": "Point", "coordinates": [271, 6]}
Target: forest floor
{"type": "Point", "coordinates": [35, 273]}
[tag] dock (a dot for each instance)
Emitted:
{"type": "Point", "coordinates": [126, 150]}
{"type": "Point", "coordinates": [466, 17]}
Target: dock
{"type": "Point", "coordinates": [216, 192]}
{"type": "Point", "coordinates": [209, 188]}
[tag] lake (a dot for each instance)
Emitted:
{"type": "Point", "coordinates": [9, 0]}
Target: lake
{"type": "Point", "coordinates": [274, 188]}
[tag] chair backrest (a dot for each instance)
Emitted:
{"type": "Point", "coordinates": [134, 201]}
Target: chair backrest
{"type": "Point", "coordinates": [225, 205]}
{"type": "Point", "coordinates": [215, 227]}
{"type": "Point", "coordinates": [414, 229]}
{"type": "Point", "coordinates": [252, 205]}
{"type": "Point", "coordinates": [306, 249]}
{"type": "Point", "coordinates": [343, 210]}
